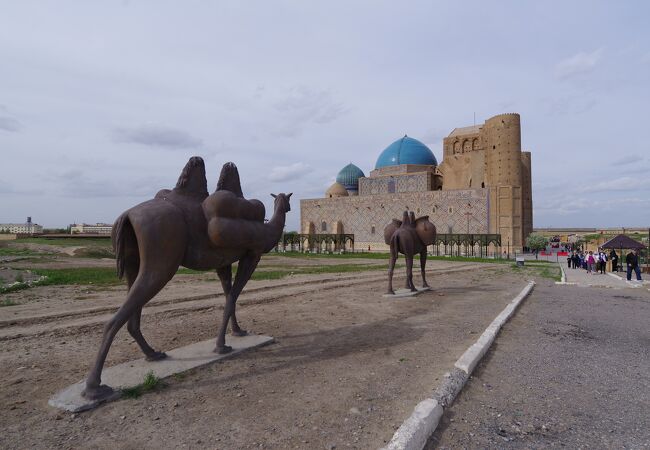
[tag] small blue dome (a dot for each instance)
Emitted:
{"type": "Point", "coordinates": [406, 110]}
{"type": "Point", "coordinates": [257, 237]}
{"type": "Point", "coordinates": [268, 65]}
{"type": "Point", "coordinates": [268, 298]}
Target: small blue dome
{"type": "Point", "coordinates": [349, 177]}
{"type": "Point", "coordinates": [406, 151]}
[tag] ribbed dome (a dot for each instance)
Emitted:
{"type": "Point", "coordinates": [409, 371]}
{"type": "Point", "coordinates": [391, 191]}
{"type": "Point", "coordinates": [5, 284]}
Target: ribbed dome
{"type": "Point", "coordinates": [406, 151]}
{"type": "Point", "coordinates": [349, 177]}
{"type": "Point", "coordinates": [336, 190]}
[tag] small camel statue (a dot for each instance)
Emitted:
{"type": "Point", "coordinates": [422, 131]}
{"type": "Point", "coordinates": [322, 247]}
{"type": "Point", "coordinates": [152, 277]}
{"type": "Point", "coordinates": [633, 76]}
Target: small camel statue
{"type": "Point", "coordinates": [410, 237]}
{"type": "Point", "coordinates": [187, 227]}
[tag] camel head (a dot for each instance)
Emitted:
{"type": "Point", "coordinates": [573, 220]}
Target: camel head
{"type": "Point", "coordinates": [192, 179]}
{"type": "Point", "coordinates": [282, 202]}
{"type": "Point", "coordinates": [229, 180]}
{"type": "Point", "coordinates": [425, 230]}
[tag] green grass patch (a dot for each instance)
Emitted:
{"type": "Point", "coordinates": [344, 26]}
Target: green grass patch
{"type": "Point", "coordinates": [8, 302]}
{"type": "Point", "coordinates": [333, 255]}
{"type": "Point", "coordinates": [549, 270]}
{"type": "Point", "coordinates": [68, 242]}
{"type": "Point", "coordinates": [12, 251]}
{"type": "Point", "coordinates": [386, 255]}
{"type": "Point", "coordinates": [468, 259]}
{"type": "Point", "coordinates": [96, 276]}
{"type": "Point", "coordinates": [95, 252]}
{"type": "Point", "coordinates": [150, 383]}
{"type": "Point", "coordinates": [14, 288]}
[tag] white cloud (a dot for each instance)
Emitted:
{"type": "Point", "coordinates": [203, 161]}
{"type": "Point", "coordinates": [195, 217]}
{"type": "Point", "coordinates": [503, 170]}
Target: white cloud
{"type": "Point", "coordinates": [156, 136]}
{"type": "Point", "coordinates": [291, 172]}
{"type": "Point", "coordinates": [9, 124]}
{"type": "Point", "coordinates": [616, 184]}
{"type": "Point", "coordinates": [577, 64]}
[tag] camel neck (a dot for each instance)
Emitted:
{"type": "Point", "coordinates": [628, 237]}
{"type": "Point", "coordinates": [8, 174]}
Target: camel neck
{"type": "Point", "coordinates": [278, 219]}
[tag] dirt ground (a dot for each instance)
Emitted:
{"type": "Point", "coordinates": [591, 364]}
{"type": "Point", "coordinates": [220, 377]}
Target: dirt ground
{"type": "Point", "coordinates": [347, 367]}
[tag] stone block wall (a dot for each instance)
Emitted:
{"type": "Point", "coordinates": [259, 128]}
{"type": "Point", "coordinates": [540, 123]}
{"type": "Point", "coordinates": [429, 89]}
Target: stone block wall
{"type": "Point", "coordinates": [457, 211]}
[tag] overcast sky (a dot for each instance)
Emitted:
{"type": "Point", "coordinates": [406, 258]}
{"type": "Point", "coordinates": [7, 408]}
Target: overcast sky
{"type": "Point", "coordinates": [102, 103]}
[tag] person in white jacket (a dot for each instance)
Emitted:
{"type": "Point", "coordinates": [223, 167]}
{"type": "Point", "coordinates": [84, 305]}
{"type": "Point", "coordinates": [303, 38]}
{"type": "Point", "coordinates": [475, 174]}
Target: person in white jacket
{"type": "Point", "coordinates": [596, 267]}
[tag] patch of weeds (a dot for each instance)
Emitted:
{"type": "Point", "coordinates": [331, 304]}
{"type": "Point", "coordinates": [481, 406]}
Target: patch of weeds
{"type": "Point", "coordinates": [11, 251]}
{"type": "Point", "coordinates": [8, 302]}
{"type": "Point", "coordinates": [368, 255]}
{"type": "Point", "coordinates": [95, 252]}
{"type": "Point", "coordinates": [402, 359]}
{"type": "Point", "coordinates": [179, 376]}
{"type": "Point", "coordinates": [150, 383]}
{"type": "Point", "coordinates": [97, 276]}
{"type": "Point", "coordinates": [270, 274]}
{"type": "Point", "coordinates": [20, 285]}
{"type": "Point", "coordinates": [19, 278]}
{"type": "Point", "coordinates": [551, 272]}
{"type": "Point", "coordinates": [69, 242]}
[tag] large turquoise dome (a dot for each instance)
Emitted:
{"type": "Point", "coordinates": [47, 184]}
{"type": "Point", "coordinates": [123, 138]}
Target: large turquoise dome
{"type": "Point", "coordinates": [406, 151]}
{"type": "Point", "coordinates": [349, 177]}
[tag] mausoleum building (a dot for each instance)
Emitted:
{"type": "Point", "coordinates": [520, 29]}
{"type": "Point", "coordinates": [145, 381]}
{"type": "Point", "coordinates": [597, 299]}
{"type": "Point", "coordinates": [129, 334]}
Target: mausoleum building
{"type": "Point", "coordinates": [482, 186]}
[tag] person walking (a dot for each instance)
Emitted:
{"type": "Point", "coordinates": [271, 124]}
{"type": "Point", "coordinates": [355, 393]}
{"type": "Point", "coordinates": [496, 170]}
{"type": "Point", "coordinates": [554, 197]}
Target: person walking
{"type": "Point", "coordinates": [603, 261]}
{"type": "Point", "coordinates": [614, 257]}
{"type": "Point", "coordinates": [632, 261]}
{"type": "Point", "coordinates": [590, 262]}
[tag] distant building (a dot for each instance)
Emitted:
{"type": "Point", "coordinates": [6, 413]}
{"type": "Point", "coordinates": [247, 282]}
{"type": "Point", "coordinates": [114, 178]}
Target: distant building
{"type": "Point", "coordinates": [85, 228]}
{"type": "Point", "coordinates": [482, 186]}
{"type": "Point", "coordinates": [28, 227]}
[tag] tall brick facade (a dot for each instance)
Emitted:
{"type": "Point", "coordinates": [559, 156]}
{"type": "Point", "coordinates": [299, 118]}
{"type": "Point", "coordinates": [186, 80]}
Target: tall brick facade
{"type": "Point", "coordinates": [483, 185]}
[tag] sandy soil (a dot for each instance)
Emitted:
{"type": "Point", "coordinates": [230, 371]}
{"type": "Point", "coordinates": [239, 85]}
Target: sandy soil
{"type": "Point", "coordinates": [347, 367]}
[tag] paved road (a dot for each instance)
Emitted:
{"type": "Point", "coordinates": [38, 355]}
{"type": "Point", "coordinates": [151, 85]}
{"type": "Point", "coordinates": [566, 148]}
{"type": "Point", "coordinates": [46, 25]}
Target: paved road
{"type": "Point", "coordinates": [609, 279]}
{"type": "Point", "coordinates": [571, 369]}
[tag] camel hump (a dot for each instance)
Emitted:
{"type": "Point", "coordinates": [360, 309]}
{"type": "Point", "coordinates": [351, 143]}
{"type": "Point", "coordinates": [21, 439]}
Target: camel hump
{"type": "Point", "coordinates": [192, 179]}
{"type": "Point", "coordinates": [227, 204]}
{"type": "Point", "coordinates": [390, 230]}
{"type": "Point", "coordinates": [229, 180]}
{"type": "Point", "coordinates": [163, 193]}
{"type": "Point", "coordinates": [425, 230]}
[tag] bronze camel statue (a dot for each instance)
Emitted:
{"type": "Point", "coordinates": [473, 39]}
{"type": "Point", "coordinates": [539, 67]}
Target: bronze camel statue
{"type": "Point", "coordinates": [187, 227]}
{"type": "Point", "coordinates": [410, 237]}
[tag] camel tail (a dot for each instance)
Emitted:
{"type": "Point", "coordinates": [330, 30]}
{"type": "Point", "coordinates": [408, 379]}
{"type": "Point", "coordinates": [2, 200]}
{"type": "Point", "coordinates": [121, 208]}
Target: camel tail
{"type": "Point", "coordinates": [394, 243]}
{"type": "Point", "coordinates": [120, 228]}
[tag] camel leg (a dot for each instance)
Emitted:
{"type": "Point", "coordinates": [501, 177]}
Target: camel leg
{"type": "Point", "coordinates": [143, 290]}
{"type": "Point", "coordinates": [133, 326]}
{"type": "Point", "coordinates": [391, 268]}
{"type": "Point", "coordinates": [409, 272]}
{"type": "Point", "coordinates": [225, 275]}
{"type": "Point", "coordinates": [245, 269]}
{"type": "Point", "coordinates": [423, 264]}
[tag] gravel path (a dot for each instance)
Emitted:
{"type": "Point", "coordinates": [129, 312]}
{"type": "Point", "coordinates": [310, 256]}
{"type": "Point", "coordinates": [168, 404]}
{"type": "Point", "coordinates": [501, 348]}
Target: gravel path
{"type": "Point", "coordinates": [571, 369]}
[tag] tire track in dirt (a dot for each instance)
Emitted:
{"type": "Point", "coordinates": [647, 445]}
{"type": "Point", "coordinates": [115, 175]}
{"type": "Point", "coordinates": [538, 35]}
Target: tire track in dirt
{"type": "Point", "coordinates": [82, 320]}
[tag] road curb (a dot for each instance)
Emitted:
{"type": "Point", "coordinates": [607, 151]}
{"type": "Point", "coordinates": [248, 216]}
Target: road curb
{"type": "Point", "coordinates": [416, 430]}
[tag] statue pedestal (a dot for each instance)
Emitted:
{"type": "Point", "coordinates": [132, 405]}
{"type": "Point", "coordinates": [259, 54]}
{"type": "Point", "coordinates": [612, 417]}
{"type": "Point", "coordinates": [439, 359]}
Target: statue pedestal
{"type": "Point", "coordinates": [132, 373]}
{"type": "Point", "coordinates": [406, 292]}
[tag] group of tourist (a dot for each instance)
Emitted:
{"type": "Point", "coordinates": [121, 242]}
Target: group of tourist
{"type": "Point", "coordinates": [596, 262]}
{"type": "Point", "coordinates": [592, 262]}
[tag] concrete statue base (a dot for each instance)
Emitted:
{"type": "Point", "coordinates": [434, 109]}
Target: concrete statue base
{"type": "Point", "coordinates": [132, 373]}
